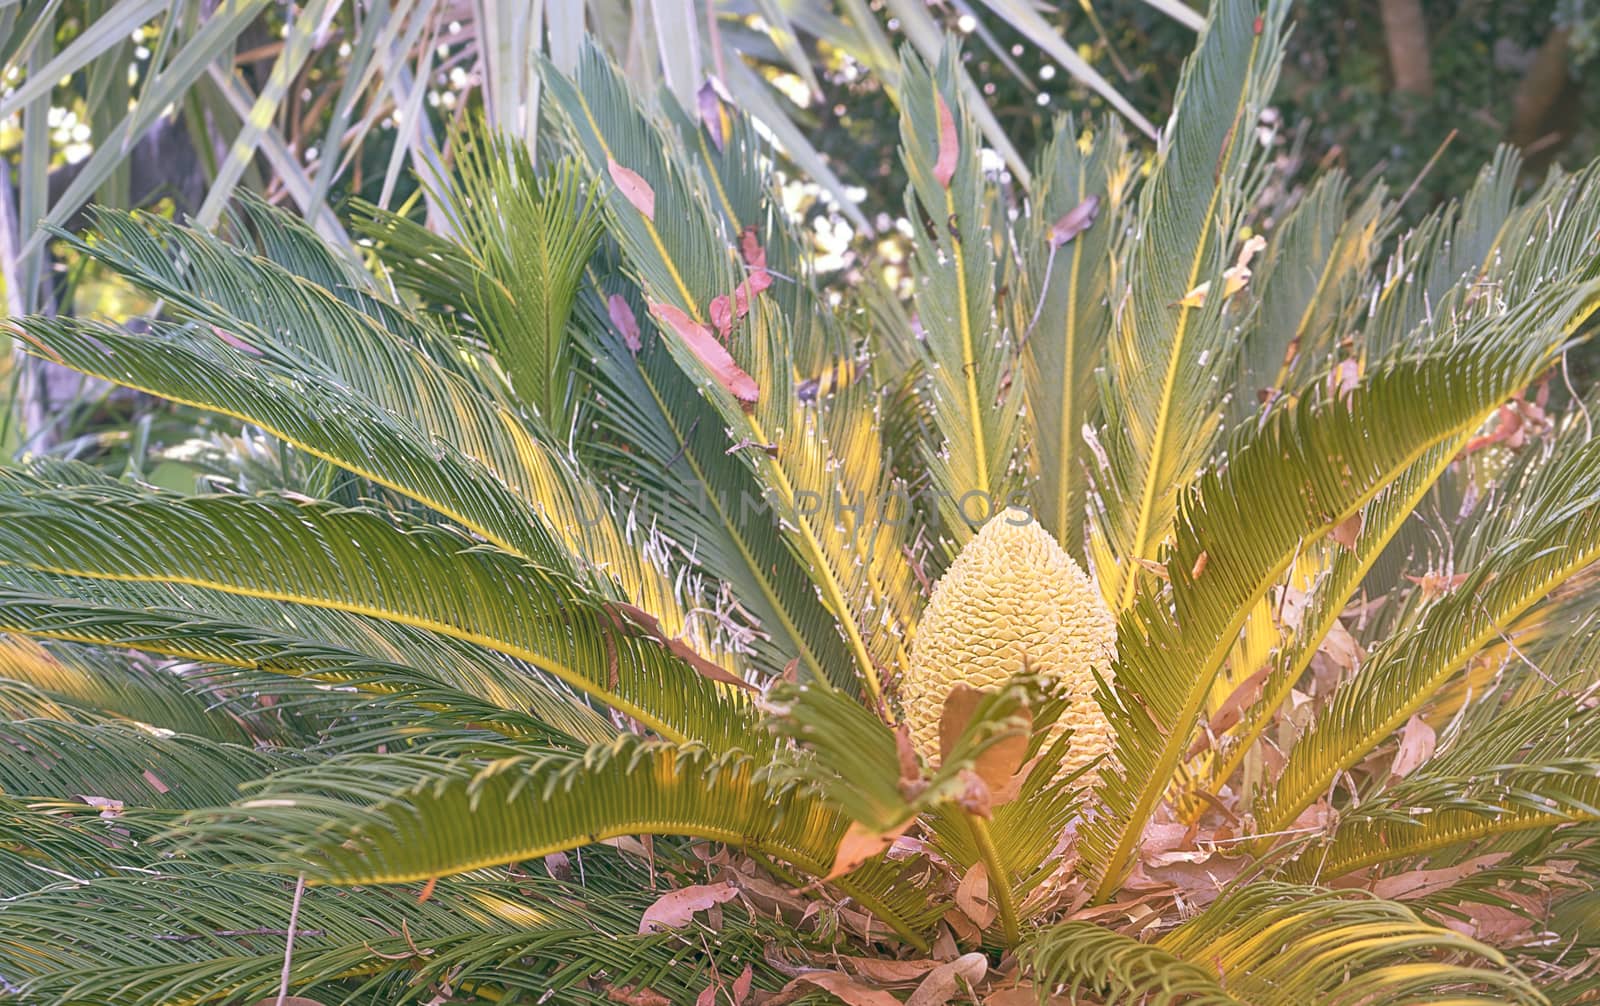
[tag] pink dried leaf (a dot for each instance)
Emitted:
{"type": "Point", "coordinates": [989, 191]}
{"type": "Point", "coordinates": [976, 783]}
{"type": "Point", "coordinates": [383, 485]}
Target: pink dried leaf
{"type": "Point", "coordinates": [622, 316]}
{"type": "Point", "coordinates": [704, 345]}
{"type": "Point", "coordinates": [678, 908]}
{"type": "Point", "coordinates": [634, 188]}
{"type": "Point", "coordinates": [1077, 220]}
{"type": "Point", "coordinates": [944, 169]}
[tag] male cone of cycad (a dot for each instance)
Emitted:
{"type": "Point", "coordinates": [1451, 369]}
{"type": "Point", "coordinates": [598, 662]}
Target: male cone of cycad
{"type": "Point", "coordinates": [1013, 599]}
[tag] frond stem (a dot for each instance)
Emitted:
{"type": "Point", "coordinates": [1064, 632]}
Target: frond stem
{"type": "Point", "coordinates": [999, 878]}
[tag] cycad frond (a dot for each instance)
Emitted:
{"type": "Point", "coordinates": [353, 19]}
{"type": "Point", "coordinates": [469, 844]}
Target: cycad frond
{"type": "Point", "coordinates": [373, 656]}
{"type": "Point", "coordinates": [325, 557]}
{"type": "Point", "coordinates": [1287, 483]}
{"type": "Point", "coordinates": [1161, 406]}
{"type": "Point", "coordinates": [1310, 274]}
{"type": "Point", "coordinates": [816, 462]}
{"type": "Point", "coordinates": [968, 356]}
{"type": "Point", "coordinates": [1276, 945]}
{"type": "Point", "coordinates": [404, 385]}
{"type": "Point", "coordinates": [1064, 314]}
{"type": "Point", "coordinates": [104, 686]}
{"type": "Point", "coordinates": [1556, 536]}
{"type": "Point", "coordinates": [529, 238]}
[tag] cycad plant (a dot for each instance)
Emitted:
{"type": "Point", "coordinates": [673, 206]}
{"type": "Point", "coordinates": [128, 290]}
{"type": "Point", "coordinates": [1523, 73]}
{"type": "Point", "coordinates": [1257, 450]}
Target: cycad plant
{"type": "Point", "coordinates": [597, 608]}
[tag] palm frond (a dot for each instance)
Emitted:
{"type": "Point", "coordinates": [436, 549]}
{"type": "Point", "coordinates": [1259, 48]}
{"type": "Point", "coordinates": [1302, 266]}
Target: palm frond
{"type": "Point", "coordinates": [1277, 945]}
{"type": "Point", "coordinates": [1556, 535]}
{"type": "Point", "coordinates": [101, 684]}
{"type": "Point", "coordinates": [967, 354]}
{"type": "Point", "coordinates": [816, 461]}
{"type": "Point", "coordinates": [1310, 276]}
{"type": "Point", "coordinates": [330, 558]}
{"type": "Point", "coordinates": [530, 237]}
{"type": "Point", "coordinates": [413, 386]}
{"type": "Point", "coordinates": [1161, 408]}
{"type": "Point", "coordinates": [374, 657]}
{"type": "Point", "coordinates": [1301, 473]}
{"type": "Point", "coordinates": [1065, 315]}
{"type": "Point", "coordinates": [360, 819]}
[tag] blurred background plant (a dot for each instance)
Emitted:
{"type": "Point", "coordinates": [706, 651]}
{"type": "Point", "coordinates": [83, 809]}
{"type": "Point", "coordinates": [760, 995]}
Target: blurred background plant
{"type": "Point", "coordinates": [175, 106]}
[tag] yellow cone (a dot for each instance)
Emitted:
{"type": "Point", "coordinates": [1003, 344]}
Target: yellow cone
{"type": "Point", "coordinates": [1011, 594]}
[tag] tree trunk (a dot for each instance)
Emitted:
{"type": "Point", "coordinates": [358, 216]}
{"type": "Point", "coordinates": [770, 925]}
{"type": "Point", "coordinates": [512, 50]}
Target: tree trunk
{"type": "Point", "coordinates": [1406, 34]}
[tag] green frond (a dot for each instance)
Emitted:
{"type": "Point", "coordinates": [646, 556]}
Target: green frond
{"type": "Point", "coordinates": [1287, 482]}
{"type": "Point", "coordinates": [362, 819]}
{"type": "Point", "coordinates": [528, 237]}
{"type": "Point", "coordinates": [968, 355]}
{"type": "Point", "coordinates": [1275, 945]}
{"type": "Point", "coordinates": [670, 446]}
{"type": "Point", "coordinates": [188, 934]}
{"type": "Point", "coordinates": [1556, 535]}
{"type": "Point", "coordinates": [1337, 573]}
{"type": "Point", "coordinates": [1064, 313]}
{"type": "Point", "coordinates": [411, 392]}
{"type": "Point", "coordinates": [373, 657]}
{"type": "Point", "coordinates": [322, 557]}
{"type": "Point", "coordinates": [104, 685]}
{"type": "Point", "coordinates": [821, 465]}
{"type": "Point", "coordinates": [1310, 275]}
{"type": "Point", "coordinates": [136, 765]}
{"type": "Point", "coordinates": [1161, 402]}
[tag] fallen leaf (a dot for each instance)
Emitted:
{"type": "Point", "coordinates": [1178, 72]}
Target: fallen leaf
{"type": "Point", "coordinates": [559, 866]}
{"type": "Point", "coordinates": [634, 188]}
{"type": "Point", "coordinates": [945, 982]}
{"type": "Point", "coordinates": [622, 316]}
{"type": "Point", "coordinates": [630, 995]}
{"type": "Point", "coordinates": [841, 987]}
{"type": "Point", "coordinates": [155, 782]}
{"type": "Point", "coordinates": [944, 168]}
{"type": "Point", "coordinates": [1417, 883]}
{"type": "Point", "coordinates": [885, 972]}
{"type": "Point", "coordinates": [287, 1001]}
{"type": "Point", "coordinates": [972, 896]}
{"type": "Point", "coordinates": [1345, 378]}
{"type": "Point", "coordinates": [1417, 741]}
{"type": "Point", "coordinates": [1434, 584]}
{"type": "Point", "coordinates": [1347, 531]}
{"type": "Point", "coordinates": [860, 843]}
{"type": "Point", "coordinates": [1077, 220]}
{"type": "Point", "coordinates": [710, 352]}
{"type": "Point", "coordinates": [1000, 760]}
{"type": "Point", "coordinates": [678, 908]}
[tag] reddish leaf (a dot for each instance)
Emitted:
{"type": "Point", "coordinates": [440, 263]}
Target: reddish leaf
{"type": "Point", "coordinates": [705, 346]}
{"type": "Point", "coordinates": [1000, 760]}
{"type": "Point", "coordinates": [286, 1001]}
{"type": "Point", "coordinates": [944, 168]}
{"type": "Point", "coordinates": [634, 188]}
{"type": "Point", "coordinates": [1347, 531]}
{"type": "Point", "coordinates": [622, 317]}
{"type": "Point", "coordinates": [722, 314]}
{"type": "Point", "coordinates": [860, 843]}
{"type": "Point", "coordinates": [642, 995]}
{"type": "Point", "coordinates": [1077, 220]}
{"type": "Point", "coordinates": [155, 782]}
{"type": "Point", "coordinates": [678, 908]}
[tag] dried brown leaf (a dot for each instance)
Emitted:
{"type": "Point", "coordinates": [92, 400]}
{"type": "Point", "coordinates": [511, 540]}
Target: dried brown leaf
{"type": "Point", "coordinates": [678, 908]}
